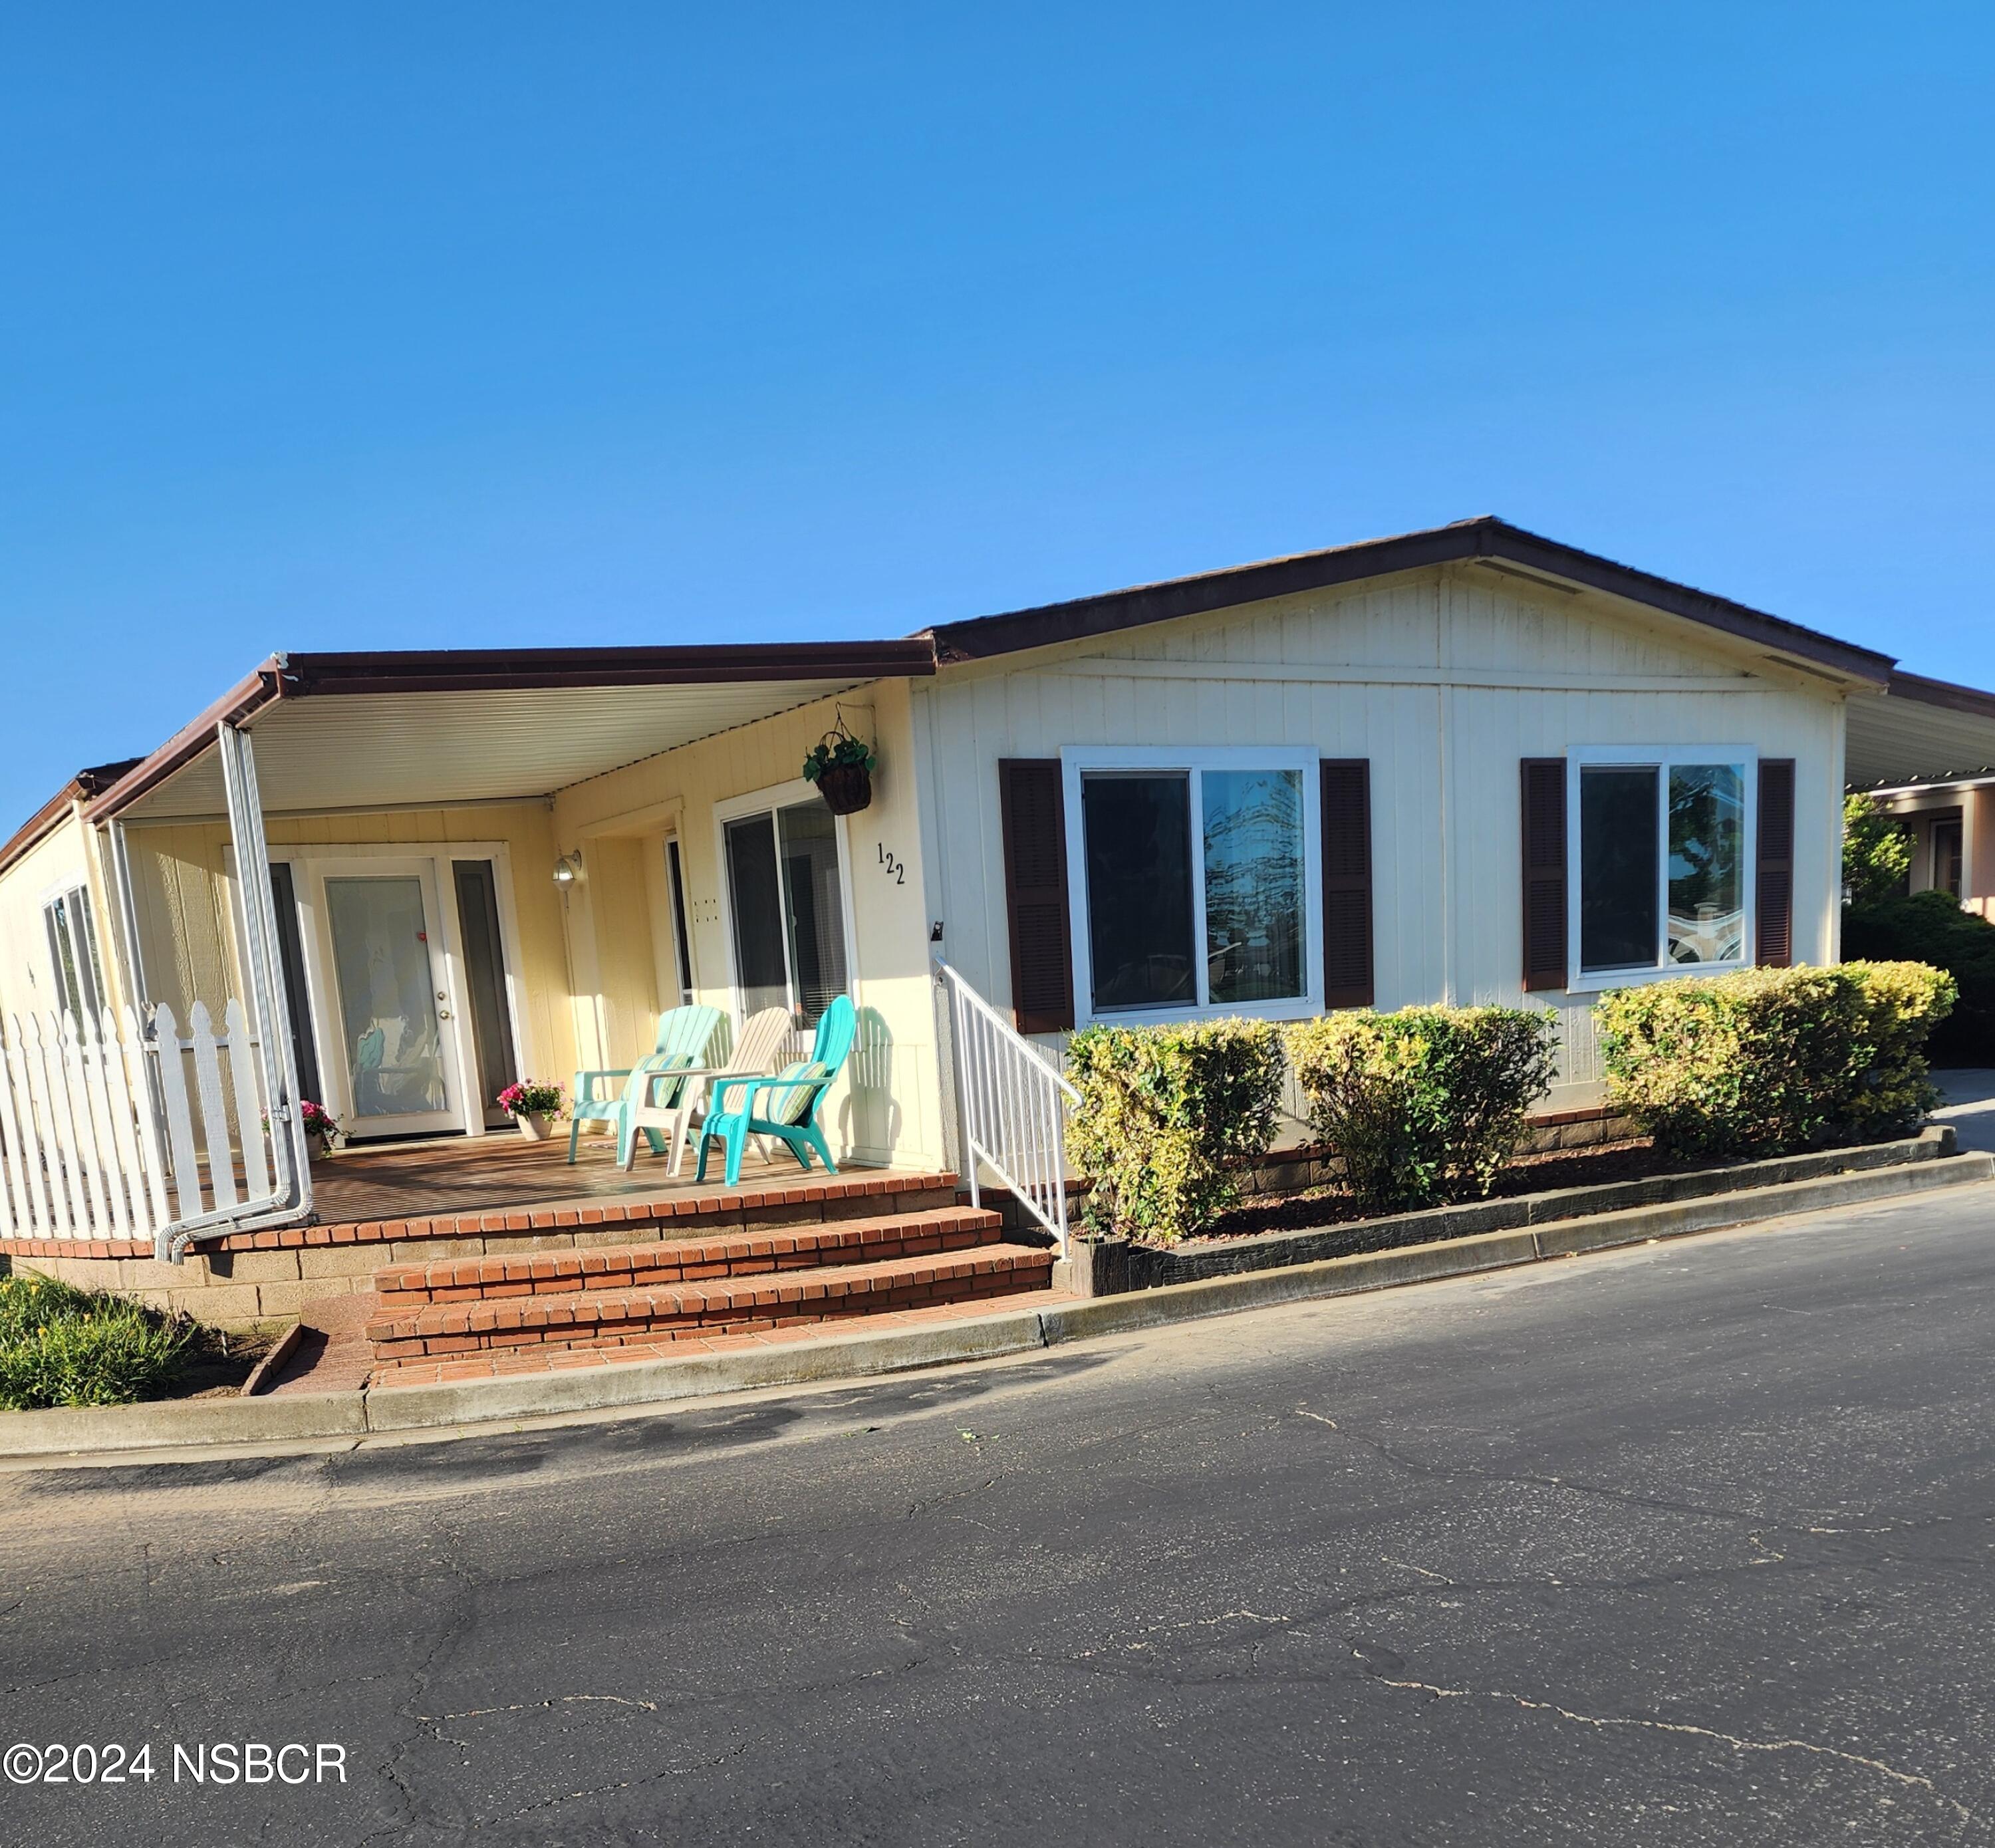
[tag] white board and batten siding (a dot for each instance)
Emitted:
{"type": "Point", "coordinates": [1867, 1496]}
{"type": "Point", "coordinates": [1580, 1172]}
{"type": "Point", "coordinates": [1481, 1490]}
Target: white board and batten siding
{"type": "Point", "coordinates": [1444, 679]}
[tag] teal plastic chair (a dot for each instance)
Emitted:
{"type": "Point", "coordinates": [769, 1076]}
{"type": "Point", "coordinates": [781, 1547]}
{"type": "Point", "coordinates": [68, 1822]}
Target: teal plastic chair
{"type": "Point", "coordinates": [684, 1035]}
{"type": "Point", "coordinates": [785, 1108]}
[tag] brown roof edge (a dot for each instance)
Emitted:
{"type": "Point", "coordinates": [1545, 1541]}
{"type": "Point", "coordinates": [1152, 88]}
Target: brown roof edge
{"type": "Point", "coordinates": [1948, 693]}
{"type": "Point", "coordinates": [1484, 536]}
{"type": "Point", "coordinates": [51, 815]}
{"type": "Point", "coordinates": [464, 670]}
{"type": "Point", "coordinates": [246, 697]}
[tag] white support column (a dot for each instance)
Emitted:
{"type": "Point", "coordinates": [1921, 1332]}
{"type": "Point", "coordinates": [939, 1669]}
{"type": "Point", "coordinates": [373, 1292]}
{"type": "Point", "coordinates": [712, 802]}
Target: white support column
{"type": "Point", "coordinates": [263, 989]}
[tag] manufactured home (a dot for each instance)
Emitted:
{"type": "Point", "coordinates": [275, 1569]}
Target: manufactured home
{"type": "Point", "coordinates": [1467, 764]}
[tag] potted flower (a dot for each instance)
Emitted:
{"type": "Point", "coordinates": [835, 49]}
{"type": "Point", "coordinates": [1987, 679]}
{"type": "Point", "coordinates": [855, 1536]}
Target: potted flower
{"type": "Point", "coordinates": [321, 1132]}
{"type": "Point", "coordinates": [842, 766]}
{"type": "Point", "coordinates": [533, 1105]}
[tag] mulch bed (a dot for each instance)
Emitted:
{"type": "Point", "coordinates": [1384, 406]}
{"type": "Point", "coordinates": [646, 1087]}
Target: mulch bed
{"type": "Point", "coordinates": [218, 1364]}
{"type": "Point", "coordinates": [1635, 1159]}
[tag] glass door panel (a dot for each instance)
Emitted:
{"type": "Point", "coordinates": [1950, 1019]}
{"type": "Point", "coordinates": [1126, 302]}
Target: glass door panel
{"type": "Point", "coordinates": [814, 907]}
{"type": "Point", "coordinates": [787, 895]}
{"type": "Point", "coordinates": [391, 1001]}
{"type": "Point", "coordinates": [754, 891]}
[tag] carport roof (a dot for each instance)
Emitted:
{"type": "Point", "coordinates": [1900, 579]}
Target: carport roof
{"type": "Point", "coordinates": [1919, 730]}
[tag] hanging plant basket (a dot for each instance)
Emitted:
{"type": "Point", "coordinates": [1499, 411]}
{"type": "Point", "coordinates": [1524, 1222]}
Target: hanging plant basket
{"type": "Point", "coordinates": [846, 788]}
{"type": "Point", "coordinates": [842, 766]}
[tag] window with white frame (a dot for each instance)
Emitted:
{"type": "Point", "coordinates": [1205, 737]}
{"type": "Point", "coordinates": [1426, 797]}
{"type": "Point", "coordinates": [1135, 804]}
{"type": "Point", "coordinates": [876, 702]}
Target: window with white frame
{"type": "Point", "coordinates": [1662, 845]}
{"type": "Point", "coordinates": [79, 976]}
{"type": "Point", "coordinates": [1196, 881]}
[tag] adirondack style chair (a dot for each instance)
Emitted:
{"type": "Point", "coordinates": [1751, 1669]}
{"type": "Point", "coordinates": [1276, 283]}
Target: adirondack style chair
{"type": "Point", "coordinates": [784, 1107]}
{"type": "Point", "coordinates": [684, 1035]}
{"type": "Point", "coordinates": [754, 1053]}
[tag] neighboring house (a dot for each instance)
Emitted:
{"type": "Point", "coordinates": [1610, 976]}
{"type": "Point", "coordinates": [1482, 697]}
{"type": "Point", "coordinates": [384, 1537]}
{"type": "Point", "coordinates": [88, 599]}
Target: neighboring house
{"type": "Point", "coordinates": [1947, 802]}
{"type": "Point", "coordinates": [1466, 764]}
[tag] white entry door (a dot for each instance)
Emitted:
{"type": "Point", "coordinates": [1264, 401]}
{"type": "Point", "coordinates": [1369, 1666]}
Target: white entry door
{"type": "Point", "coordinates": [393, 1023]}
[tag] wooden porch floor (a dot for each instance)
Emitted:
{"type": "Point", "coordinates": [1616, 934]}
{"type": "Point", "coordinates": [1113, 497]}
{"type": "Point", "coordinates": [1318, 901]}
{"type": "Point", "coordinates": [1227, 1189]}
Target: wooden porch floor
{"type": "Point", "coordinates": [503, 1172]}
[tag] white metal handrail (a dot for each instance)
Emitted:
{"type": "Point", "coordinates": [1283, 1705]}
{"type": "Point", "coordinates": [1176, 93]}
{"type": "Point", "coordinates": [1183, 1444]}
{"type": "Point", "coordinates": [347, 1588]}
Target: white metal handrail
{"type": "Point", "coordinates": [1011, 1105]}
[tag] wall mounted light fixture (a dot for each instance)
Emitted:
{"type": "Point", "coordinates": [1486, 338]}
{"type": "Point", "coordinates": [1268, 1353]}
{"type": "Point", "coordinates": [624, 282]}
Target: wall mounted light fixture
{"type": "Point", "coordinates": [568, 869]}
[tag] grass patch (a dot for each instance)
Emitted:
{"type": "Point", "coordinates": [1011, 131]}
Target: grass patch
{"type": "Point", "coordinates": [60, 1345]}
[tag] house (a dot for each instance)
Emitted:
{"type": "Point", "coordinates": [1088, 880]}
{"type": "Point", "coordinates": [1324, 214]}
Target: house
{"type": "Point", "coordinates": [1468, 764]}
{"type": "Point", "coordinates": [1947, 802]}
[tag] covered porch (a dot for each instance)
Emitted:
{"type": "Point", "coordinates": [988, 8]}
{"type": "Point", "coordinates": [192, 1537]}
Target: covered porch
{"type": "Point", "coordinates": [484, 867]}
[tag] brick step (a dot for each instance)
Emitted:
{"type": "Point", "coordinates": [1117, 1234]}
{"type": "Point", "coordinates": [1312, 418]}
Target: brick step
{"type": "Point", "coordinates": [567, 1216]}
{"type": "Point", "coordinates": [403, 1288]}
{"type": "Point", "coordinates": [733, 1305]}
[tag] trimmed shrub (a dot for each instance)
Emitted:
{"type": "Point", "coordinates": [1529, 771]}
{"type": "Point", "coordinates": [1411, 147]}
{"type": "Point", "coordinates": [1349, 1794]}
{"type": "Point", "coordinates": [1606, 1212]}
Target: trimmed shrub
{"type": "Point", "coordinates": [1168, 1116]}
{"type": "Point", "coordinates": [1771, 1061]}
{"type": "Point", "coordinates": [1930, 927]}
{"type": "Point", "coordinates": [60, 1345]}
{"type": "Point", "coordinates": [1425, 1105]}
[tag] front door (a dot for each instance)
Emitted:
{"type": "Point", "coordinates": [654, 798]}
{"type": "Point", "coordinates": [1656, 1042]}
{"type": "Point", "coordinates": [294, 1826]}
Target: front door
{"type": "Point", "coordinates": [391, 998]}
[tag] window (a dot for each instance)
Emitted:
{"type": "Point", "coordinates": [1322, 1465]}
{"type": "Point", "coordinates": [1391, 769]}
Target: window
{"type": "Point", "coordinates": [786, 893]}
{"type": "Point", "coordinates": [1662, 857]}
{"type": "Point", "coordinates": [79, 976]}
{"type": "Point", "coordinates": [1196, 881]}
{"type": "Point", "coordinates": [1946, 851]}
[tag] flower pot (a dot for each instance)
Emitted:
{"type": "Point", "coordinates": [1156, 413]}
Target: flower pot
{"type": "Point", "coordinates": [846, 788]}
{"type": "Point", "coordinates": [535, 1126]}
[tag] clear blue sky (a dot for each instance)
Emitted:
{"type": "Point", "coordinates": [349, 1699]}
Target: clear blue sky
{"type": "Point", "coordinates": [419, 325]}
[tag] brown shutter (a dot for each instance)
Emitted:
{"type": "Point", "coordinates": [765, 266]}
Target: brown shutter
{"type": "Point", "coordinates": [1774, 864]}
{"type": "Point", "coordinates": [1544, 872]}
{"type": "Point", "coordinates": [1347, 882]}
{"type": "Point", "coordinates": [1034, 804]}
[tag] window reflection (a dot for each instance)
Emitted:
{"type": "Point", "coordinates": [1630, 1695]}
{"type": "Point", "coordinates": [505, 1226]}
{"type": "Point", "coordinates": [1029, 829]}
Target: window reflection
{"type": "Point", "coordinates": [1706, 874]}
{"type": "Point", "coordinates": [1253, 909]}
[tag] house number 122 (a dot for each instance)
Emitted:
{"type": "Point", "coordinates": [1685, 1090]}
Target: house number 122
{"type": "Point", "coordinates": [895, 869]}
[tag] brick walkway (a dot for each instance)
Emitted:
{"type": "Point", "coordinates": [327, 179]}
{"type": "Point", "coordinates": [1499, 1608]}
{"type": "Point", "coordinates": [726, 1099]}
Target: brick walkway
{"type": "Point", "coordinates": [564, 1360]}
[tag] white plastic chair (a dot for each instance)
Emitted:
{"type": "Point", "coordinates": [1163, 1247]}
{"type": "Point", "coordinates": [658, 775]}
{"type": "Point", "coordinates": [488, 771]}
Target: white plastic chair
{"type": "Point", "coordinates": [754, 1054]}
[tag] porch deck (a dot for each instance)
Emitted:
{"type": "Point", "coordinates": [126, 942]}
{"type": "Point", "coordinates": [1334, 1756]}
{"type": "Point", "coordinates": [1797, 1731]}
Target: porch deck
{"type": "Point", "coordinates": [505, 1176]}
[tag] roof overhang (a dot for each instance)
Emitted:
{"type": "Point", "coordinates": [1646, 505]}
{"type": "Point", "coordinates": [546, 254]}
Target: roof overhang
{"type": "Point", "coordinates": [1494, 543]}
{"type": "Point", "coordinates": [447, 726]}
{"type": "Point", "coordinates": [54, 812]}
{"type": "Point", "coordinates": [1918, 731]}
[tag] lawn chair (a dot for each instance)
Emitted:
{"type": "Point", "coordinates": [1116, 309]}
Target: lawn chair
{"type": "Point", "coordinates": [684, 1035]}
{"type": "Point", "coordinates": [754, 1053]}
{"type": "Point", "coordinates": [784, 1107]}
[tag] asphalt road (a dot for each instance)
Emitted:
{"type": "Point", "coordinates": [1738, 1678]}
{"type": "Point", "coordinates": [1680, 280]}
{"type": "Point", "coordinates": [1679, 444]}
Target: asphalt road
{"type": "Point", "coordinates": [1689, 1544]}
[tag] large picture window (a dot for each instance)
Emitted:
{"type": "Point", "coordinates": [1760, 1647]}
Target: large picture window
{"type": "Point", "coordinates": [1662, 857]}
{"type": "Point", "coordinates": [1197, 882]}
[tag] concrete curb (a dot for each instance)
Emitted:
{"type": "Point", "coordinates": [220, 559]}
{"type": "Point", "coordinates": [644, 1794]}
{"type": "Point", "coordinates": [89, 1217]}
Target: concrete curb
{"type": "Point", "coordinates": [184, 1425]}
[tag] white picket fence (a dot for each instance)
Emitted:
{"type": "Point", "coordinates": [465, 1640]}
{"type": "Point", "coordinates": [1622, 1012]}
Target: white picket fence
{"type": "Point", "coordinates": [108, 1131]}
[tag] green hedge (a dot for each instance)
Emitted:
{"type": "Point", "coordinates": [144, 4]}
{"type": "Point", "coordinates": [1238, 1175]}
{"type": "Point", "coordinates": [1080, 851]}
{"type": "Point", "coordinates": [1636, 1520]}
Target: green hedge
{"type": "Point", "coordinates": [1168, 1116]}
{"type": "Point", "coordinates": [60, 1345]}
{"type": "Point", "coordinates": [1425, 1105]}
{"type": "Point", "coordinates": [1930, 927]}
{"type": "Point", "coordinates": [1769, 1061]}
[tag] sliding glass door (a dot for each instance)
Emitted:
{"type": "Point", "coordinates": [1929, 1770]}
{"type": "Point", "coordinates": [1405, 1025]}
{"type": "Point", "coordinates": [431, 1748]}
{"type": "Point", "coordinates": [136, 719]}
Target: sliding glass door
{"type": "Point", "coordinates": [786, 896]}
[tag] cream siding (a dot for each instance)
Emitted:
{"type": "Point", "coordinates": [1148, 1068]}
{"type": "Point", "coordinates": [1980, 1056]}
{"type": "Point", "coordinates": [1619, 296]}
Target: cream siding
{"type": "Point", "coordinates": [60, 860]}
{"type": "Point", "coordinates": [1444, 680]}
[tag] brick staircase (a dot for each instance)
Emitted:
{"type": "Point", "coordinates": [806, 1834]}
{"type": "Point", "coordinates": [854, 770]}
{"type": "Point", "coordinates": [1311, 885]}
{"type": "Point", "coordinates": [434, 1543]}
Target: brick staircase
{"type": "Point", "coordinates": [727, 1281]}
